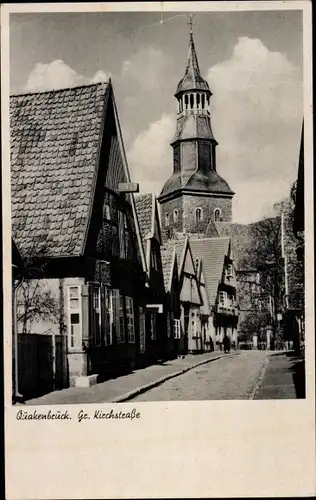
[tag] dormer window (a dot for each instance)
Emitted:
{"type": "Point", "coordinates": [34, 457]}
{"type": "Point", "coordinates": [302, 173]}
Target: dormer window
{"type": "Point", "coordinates": [217, 214]}
{"type": "Point", "coordinates": [199, 214]}
{"type": "Point", "coordinates": [229, 271]}
{"type": "Point", "coordinates": [175, 216]}
{"type": "Point", "coordinates": [167, 220]}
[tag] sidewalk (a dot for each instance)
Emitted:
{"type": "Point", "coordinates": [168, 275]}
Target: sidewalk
{"type": "Point", "coordinates": [124, 387]}
{"type": "Point", "coordinates": [283, 377]}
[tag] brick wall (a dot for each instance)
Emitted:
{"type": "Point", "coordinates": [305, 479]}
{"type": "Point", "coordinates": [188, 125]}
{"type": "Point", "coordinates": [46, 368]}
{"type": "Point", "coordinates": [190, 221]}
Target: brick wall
{"type": "Point", "coordinates": [168, 208]}
{"type": "Point", "coordinates": [187, 206]}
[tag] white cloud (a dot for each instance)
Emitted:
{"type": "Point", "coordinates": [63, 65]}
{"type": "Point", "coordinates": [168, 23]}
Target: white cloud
{"type": "Point", "coordinates": [150, 156]}
{"type": "Point", "coordinates": [254, 200]}
{"type": "Point", "coordinates": [56, 75]}
{"type": "Point", "coordinates": [257, 116]}
{"type": "Point", "coordinates": [146, 68]}
{"type": "Point", "coordinates": [100, 76]}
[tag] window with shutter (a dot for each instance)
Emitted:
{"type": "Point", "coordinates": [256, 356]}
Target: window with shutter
{"type": "Point", "coordinates": [130, 320]}
{"type": "Point", "coordinates": [176, 329]}
{"type": "Point", "coordinates": [116, 314]}
{"type": "Point", "coordinates": [122, 241]}
{"type": "Point", "coordinates": [142, 331]}
{"type": "Point", "coordinates": [109, 321]}
{"type": "Point", "coordinates": [121, 319]}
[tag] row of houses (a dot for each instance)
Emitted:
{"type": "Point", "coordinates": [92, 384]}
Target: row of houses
{"type": "Point", "coordinates": [96, 289]}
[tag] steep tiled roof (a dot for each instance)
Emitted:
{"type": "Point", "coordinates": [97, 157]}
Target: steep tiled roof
{"type": "Point", "coordinates": [55, 140]}
{"type": "Point", "coordinates": [212, 251]}
{"type": "Point", "coordinates": [179, 246]}
{"type": "Point", "coordinates": [144, 209]}
{"type": "Point", "coordinates": [167, 252]}
{"type": "Point", "coordinates": [209, 182]}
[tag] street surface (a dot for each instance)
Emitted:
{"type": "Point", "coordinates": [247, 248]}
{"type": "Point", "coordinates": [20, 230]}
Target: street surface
{"type": "Point", "coordinates": [211, 376]}
{"type": "Point", "coordinates": [231, 377]}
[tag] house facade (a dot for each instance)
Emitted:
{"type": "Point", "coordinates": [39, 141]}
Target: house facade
{"type": "Point", "coordinates": [70, 217]}
{"type": "Point", "coordinates": [220, 284]}
{"type": "Point", "coordinates": [172, 300]}
{"type": "Point", "coordinates": [155, 314]}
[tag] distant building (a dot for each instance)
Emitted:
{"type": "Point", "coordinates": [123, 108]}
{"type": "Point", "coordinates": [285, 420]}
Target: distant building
{"type": "Point", "coordinates": [68, 214]}
{"type": "Point", "coordinates": [220, 284]}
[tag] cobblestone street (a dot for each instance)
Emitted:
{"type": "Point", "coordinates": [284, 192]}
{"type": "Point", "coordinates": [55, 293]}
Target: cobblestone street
{"type": "Point", "coordinates": [210, 376]}
{"type": "Point", "coordinates": [232, 377]}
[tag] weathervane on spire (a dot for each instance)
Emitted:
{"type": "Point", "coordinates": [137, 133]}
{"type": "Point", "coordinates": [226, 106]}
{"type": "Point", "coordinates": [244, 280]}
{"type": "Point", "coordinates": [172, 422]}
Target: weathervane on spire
{"type": "Point", "coordinates": [190, 22]}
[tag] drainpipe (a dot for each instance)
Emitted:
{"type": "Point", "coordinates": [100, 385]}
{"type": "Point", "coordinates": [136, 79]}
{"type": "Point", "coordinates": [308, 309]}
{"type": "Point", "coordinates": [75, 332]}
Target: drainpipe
{"type": "Point", "coordinates": [16, 395]}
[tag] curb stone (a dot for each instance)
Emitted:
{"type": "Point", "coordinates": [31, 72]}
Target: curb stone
{"type": "Point", "coordinates": [259, 379]}
{"type": "Point", "coordinates": [144, 388]}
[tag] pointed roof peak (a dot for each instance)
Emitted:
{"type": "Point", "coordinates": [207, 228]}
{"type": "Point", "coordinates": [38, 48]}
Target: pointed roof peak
{"type": "Point", "coordinates": [192, 79]}
{"type": "Point", "coordinates": [193, 64]}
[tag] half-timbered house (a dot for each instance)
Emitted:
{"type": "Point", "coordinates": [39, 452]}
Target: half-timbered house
{"type": "Point", "coordinates": [172, 299]}
{"type": "Point", "coordinates": [189, 296]}
{"type": "Point", "coordinates": [220, 280]}
{"type": "Point", "coordinates": [155, 318]}
{"type": "Point", "coordinates": [67, 163]}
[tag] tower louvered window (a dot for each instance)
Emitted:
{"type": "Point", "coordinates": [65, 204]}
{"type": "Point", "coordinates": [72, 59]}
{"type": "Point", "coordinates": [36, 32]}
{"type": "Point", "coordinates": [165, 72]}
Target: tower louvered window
{"type": "Point", "coordinates": [176, 158]}
{"type": "Point", "coordinates": [205, 163]}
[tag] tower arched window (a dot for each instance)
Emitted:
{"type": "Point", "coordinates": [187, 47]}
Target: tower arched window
{"type": "Point", "coordinates": [199, 214]}
{"type": "Point", "coordinates": [217, 214]}
{"type": "Point", "coordinates": [203, 101]}
{"type": "Point", "coordinates": [167, 220]}
{"type": "Point", "coordinates": [175, 216]}
{"type": "Point", "coordinates": [186, 101]}
{"type": "Point", "coordinates": [191, 101]}
{"type": "Point", "coordinates": [208, 100]}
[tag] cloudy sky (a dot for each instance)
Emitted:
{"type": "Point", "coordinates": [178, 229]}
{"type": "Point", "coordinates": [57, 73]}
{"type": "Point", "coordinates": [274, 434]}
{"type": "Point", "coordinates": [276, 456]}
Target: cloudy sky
{"type": "Point", "coordinates": [252, 61]}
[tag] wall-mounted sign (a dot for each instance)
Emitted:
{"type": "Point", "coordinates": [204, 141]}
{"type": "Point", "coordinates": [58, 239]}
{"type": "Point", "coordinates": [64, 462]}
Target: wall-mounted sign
{"type": "Point", "coordinates": [128, 187]}
{"type": "Point", "coordinates": [155, 308]}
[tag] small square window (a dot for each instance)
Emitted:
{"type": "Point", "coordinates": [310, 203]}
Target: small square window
{"type": "Point", "coordinates": [74, 319]}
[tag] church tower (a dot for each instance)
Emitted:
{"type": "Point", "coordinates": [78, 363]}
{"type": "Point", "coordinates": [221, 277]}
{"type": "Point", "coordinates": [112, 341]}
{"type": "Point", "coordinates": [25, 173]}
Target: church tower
{"type": "Point", "coordinates": [195, 195]}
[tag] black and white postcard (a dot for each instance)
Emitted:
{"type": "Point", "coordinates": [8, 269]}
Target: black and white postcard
{"type": "Point", "coordinates": [157, 176]}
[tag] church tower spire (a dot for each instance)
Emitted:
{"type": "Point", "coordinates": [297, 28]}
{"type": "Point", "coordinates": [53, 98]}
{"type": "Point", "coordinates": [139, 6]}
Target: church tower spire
{"type": "Point", "coordinates": [195, 189]}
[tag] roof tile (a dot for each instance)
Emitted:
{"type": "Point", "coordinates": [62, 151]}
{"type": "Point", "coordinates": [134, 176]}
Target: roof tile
{"type": "Point", "coordinates": [48, 181]}
{"type": "Point", "coordinates": [212, 251]}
